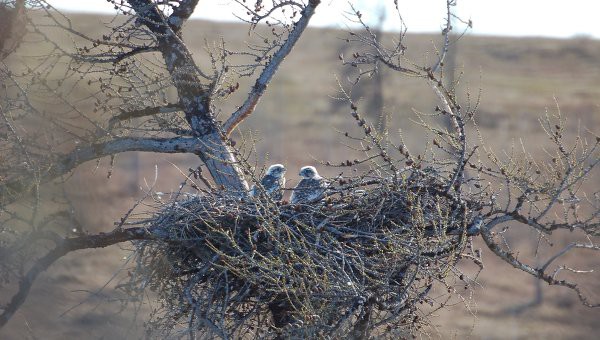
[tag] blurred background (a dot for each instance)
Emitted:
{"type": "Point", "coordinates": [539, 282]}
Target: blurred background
{"type": "Point", "coordinates": [554, 65]}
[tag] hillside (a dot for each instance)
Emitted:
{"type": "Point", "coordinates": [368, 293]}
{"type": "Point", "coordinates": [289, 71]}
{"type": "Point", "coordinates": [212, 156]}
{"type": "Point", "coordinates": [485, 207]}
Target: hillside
{"type": "Point", "coordinates": [296, 121]}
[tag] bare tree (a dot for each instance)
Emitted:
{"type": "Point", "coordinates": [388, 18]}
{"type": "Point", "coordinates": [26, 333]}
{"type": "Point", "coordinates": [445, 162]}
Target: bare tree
{"type": "Point", "coordinates": [358, 263]}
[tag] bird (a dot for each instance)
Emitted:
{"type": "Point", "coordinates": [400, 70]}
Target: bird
{"type": "Point", "coordinates": [272, 182]}
{"type": "Point", "coordinates": [311, 188]}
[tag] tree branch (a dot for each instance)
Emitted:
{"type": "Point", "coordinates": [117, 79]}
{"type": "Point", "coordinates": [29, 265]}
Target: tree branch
{"type": "Point", "coordinates": [120, 57]}
{"type": "Point", "coordinates": [66, 246]}
{"type": "Point", "coordinates": [267, 74]}
{"type": "Point", "coordinates": [181, 14]}
{"type": "Point", "coordinates": [12, 190]}
{"type": "Point", "coordinates": [147, 111]}
{"type": "Point", "coordinates": [539, 273]}
{"type": "Point", "coordinates": [566, 250]}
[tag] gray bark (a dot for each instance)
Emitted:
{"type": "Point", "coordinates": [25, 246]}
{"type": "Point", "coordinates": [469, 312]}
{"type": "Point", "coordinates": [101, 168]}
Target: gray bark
{"type": "Point", "coordinates": [193, 96]}
{"type": "Point", "coordinates": [12, 190]}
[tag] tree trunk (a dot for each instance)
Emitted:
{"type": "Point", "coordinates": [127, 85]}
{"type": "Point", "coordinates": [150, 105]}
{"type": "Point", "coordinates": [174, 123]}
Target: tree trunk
{"type": "Point", "coordinates": [193, 95]}
{"type": "Point", "coordinates": [221, 163]}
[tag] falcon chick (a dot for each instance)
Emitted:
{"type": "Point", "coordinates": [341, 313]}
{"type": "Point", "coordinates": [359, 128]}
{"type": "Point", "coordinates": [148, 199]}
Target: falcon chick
{"type": "Point", "coordinates": [311, 188]}
{"type": "Point", "coordinates": [273, 182]}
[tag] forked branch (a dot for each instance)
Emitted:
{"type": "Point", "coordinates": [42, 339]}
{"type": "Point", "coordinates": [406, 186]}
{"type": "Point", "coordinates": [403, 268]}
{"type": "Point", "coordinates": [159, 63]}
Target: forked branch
{"type": "Point", "coordinates": [14, 189]}
{"type": "Point", "coordinates": [269, 71]}
{"type": "Point", "coordinates": [540, 273]}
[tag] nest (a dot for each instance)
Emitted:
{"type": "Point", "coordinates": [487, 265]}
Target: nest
{"type": "Point", "coordinates": [359, 262]}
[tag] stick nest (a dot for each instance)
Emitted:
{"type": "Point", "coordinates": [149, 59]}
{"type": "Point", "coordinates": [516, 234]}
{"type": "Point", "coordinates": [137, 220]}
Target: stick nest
{"type": "Point", "coordinates": [359, 262]}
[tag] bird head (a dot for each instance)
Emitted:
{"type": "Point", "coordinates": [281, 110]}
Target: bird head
{"type": "Point", "coordinates": [276, 170]}
{"type": "Point", "coordinates": [309, 172]}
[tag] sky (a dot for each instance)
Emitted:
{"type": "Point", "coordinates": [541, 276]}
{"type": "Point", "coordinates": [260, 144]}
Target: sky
{"type": "Point", "coordinates": [540, 18]}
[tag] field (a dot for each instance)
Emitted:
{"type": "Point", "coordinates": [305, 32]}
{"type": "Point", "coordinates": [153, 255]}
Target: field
{"type": "Point", "coordinates": [296, 122]}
